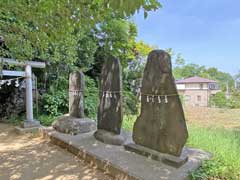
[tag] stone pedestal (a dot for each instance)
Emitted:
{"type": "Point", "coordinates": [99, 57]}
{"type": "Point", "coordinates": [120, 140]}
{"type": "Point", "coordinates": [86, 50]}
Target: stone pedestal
{"type": "Point", "coordinates": [71, 125]}
{"type": "Point", "coordinates": [30, 124]}
{"type": "Point", "coordinates": [28, 127]}
{"type": "Point", "coordinates": [109, 137]}
{"type": "Point", "coordinates": [174, 161]}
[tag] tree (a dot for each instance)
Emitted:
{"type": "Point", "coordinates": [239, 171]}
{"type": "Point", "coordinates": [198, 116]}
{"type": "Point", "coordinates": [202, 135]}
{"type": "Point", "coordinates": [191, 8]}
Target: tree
{"type": "Point", "coordinates": [219, 100]}
{"type": "Point", "coordinates": [179, 60]}
{"type": "Point", "coordinates": [183, 70]}
{"type": "Point", "coordinates": [47, 28]}
{"type": "Point", "coordinates": [68, 35]}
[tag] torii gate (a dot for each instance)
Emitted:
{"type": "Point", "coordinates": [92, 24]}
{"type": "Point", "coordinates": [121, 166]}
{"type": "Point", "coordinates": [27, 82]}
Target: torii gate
{"type": "Point", "coordinates": [30, 121]}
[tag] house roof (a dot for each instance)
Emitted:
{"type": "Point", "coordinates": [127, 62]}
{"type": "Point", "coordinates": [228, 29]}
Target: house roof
{"type": "Point", "coordinates": [194, 79]}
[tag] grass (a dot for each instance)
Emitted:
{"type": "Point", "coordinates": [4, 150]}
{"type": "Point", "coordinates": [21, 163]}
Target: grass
{"type": "Point", "coordinates": [223, 143]}
{"type": "Point", "coordinates": [225, 146]}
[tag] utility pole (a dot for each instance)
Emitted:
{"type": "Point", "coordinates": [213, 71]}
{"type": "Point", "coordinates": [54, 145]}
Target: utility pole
{"type": "Point", "coordinates": [227, 91]}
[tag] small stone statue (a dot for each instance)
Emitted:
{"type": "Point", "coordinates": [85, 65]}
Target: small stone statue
{"type": "Point", "coordinates": [75, 122]}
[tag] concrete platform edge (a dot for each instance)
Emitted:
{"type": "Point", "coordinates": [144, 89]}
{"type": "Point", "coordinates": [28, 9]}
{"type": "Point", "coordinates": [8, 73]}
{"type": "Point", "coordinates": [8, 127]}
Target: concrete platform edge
{"type": "Point", "coordinates": [90, 158]}
{"type": "Point", "coordinates": [99, 162]}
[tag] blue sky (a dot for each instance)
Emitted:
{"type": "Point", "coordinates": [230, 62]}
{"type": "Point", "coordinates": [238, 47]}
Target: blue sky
{"type": "Point", "coordinates": [205, 32]}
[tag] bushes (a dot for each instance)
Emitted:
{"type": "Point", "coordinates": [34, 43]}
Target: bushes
{"type": "Point", "coordinates": [130, 103]}
{"type": "Point", "coordinates": [91, 98]}
{"type": "Point", "coordinates": [56, 102]}
{"type": "Point", "coordinates": [219, 100]}
{"type": "Point", "coordinates": [234, 101]}
{"type": "Point", "coordinates": [46, 120]}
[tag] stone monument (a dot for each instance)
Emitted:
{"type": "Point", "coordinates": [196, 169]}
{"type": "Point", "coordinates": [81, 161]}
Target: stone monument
{"type": "Point", "coordinates": [110, 107]}
{"type": "Point", "coordinates": [161, 127]}
{"type": "Point", "coordinates": [75, 122]}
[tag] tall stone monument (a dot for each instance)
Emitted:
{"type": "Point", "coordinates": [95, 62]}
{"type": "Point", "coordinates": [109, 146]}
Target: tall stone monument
{"type": "Point", "coordinates": [76, 98]}
{"type": "Point", "coordinates": [161, 125]}
{"type": "Point", "coordinates": [75, 122]}
{"type": "Point", "coordinates": [110, 107]}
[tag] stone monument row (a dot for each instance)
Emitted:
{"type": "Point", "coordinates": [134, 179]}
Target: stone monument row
{"type": "Point", "coordinates": [159, 132]}
{"type": "Point", "coordinates": [75, 122]}
{"type": "Point", "coordinates": [110, 107]}
{"type": "Point", "coordinates": [161, 125]}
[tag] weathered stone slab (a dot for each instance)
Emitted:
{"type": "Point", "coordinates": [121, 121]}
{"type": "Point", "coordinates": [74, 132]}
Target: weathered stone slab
{"type": "Point", "coordinates": [110, 107]}
{"type": "Point", "coordinates": [76, 98]}
{"type": "Point", "coordinates": [71, 125]}
{"type": "Point", "coordinates": [161, 125]}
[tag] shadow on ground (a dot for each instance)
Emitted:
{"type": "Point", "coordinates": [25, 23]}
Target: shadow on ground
{"type": "Point", "coordinates": [30, 157]}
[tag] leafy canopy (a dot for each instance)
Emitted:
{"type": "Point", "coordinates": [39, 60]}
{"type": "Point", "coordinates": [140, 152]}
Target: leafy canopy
{"type": "Point", "coordinates": [53, 29]}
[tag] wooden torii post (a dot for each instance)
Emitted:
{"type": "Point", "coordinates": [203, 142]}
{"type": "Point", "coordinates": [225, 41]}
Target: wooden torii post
{"type": "Point", "coordinates": [30, 121]}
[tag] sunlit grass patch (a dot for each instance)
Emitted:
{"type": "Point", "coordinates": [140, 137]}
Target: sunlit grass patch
{"type": "Point", "coordinates": [225, 146]}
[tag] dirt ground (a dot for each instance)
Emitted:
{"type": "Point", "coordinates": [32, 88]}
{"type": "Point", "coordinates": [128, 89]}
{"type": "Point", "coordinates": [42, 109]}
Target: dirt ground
{"type": "Point", "coordinates": [213, 117]}
{"type": "Point", "coordinates": [27, 157]}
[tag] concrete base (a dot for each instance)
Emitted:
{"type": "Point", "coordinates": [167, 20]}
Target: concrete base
{"type": "Point", "coordinates": [30, 124]}
{"type": "Point", "coordinates": [21, 130]}
{"type": "Point", "coordinates": [122, 164]}
{"type": "Point", "coordinates": [164, 158]}
{"type": "Point", "coordinates": [109, 137]}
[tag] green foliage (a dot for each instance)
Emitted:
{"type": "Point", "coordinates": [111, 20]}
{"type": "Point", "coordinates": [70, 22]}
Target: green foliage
{"type": "Point", "coordinates": [234, 101]}
{"type": "Point", "coordinates": [128, 8]}
{"type": "Point", "coordinates": [91, 98]}
{"type": "Point", "coordinates": [187, 70]}
{"type": "Point", "coordinates": [56, 103]}
{"type": "Point", "coordinates": [128, 122]}
{"type": "Point", "coordinates": [142, 49]}
{"type": "Point", "coordinates": [51, 29]}
{"type": "Point", "coordinates": [182, 70]}
{"type": "Point", "coordinates": [46, 120]}
{"type": "Point", "coordinates": [218, 100]}
{"type": "Point", "coordinates": [117, 37]}
{"type": "Point", "coordinates": [16, 120]}
{"type": "Point", "coordinates": [67, 35]}
{"type": "Point", "coordinates": [130, 103]}
{"type": "Point", "coordinates": [224, 144]}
